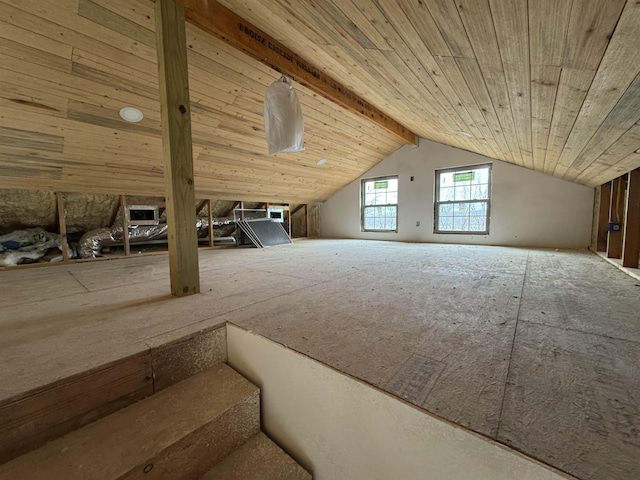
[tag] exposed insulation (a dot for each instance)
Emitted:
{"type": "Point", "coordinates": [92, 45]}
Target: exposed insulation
{"type": "Point", "coordinates": [88, 211]}
{"type": "Point", "coordinates": [20, 209]}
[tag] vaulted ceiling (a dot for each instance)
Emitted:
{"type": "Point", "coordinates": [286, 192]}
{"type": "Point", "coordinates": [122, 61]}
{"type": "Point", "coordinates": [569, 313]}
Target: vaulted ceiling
{"type": "Point", "coordinates": [551, 85]}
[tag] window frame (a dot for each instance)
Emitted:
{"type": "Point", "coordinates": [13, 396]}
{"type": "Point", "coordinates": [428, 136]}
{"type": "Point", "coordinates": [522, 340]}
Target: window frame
{"type": "Point", "coordinates": [437, 203]}
{"type": "Point", "coordinates": [363, 205]}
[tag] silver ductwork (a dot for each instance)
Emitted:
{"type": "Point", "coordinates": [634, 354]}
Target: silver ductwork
{"type": "Point", "coordinates": [91, 243]}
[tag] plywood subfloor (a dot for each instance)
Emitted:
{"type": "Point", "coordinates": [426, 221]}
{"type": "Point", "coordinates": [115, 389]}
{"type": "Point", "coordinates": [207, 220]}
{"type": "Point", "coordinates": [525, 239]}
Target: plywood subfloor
{"type": "Point", "coordinates": [537, 349]}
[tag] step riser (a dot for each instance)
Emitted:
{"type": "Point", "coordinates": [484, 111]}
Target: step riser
{"type": "Point", "coordinates": [258, 459]}
{"type": "Point", "coordinates": [196, 454]}
{"type": "Point", "coordinates": [29, 420]}
{"type": "Point", "coordinates": [54, 410]}
{"type": "Point", "coordinates": [179, 433]}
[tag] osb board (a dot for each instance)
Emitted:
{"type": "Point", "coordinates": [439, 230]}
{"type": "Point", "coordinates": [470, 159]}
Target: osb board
{"type": "Point", "coordinates": [175, 361]}
{"type": "Point", "coordinates": [572, 378]}
{"type": "Point", "coordinates": [439, 325]}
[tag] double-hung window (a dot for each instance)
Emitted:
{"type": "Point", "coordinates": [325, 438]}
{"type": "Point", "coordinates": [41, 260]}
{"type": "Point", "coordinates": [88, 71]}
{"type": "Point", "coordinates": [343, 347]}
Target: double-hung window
{"type": "Point", "coordinates": [463, 197]}
{"type": "Point", "coordinates": [379, 204]}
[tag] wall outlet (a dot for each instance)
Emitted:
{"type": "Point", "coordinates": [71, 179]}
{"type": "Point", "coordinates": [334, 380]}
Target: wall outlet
{"type": "Point", "coordinates": [417, 224]}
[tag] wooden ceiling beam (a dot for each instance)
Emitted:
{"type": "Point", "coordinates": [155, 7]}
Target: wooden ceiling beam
{"type": "Point", "coordinates": [224, 24]}
{"type": "Point", "coordinates": [201, 205]}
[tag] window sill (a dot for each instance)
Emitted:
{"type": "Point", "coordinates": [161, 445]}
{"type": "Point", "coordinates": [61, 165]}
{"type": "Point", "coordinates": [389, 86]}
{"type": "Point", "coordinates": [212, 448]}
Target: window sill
{"type": "Point", "coordinates": [436, 232]}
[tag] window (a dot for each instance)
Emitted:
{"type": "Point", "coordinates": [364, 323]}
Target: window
{"type": "Point", "coordinates": [463, 200]}
{"type": "Point", "coordinates": [380, 204]}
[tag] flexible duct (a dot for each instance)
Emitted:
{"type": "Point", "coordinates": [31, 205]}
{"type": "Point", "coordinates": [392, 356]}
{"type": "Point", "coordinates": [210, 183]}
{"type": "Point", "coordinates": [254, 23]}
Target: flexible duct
{"type": "Point", "coordinates": [91, 243]}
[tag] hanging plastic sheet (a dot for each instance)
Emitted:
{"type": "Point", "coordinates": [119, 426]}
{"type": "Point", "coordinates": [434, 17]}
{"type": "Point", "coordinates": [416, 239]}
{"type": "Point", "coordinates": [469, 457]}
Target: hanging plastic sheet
{"type": "Point", "coordinates": [283, 121]}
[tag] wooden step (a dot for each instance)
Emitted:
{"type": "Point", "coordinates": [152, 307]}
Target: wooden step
{"type": "Point", "coordinates": [62, 396]}
{"type": "Point", "coordinates": [258, 459]}
{"type": "Point", "coordinates": [178, 433]}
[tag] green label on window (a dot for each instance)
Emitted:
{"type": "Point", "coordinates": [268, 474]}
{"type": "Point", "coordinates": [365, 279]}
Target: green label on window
{"type": "Point", "coordinates": [464, 177]}
{"type": "Point", "coordinates": [381, 185]}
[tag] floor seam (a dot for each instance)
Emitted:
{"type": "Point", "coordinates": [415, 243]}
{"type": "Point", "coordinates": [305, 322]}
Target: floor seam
{"type": "Point", "coordinates": [245, 306]}
{"type": "Point", "coordinates": [78, 280]}
{"type": "Point", "coordinates": [581, 331]}
{"type": "Point", "coordinates": [270, 272]}
{"type": "Point", "coordinates": [513, 345]}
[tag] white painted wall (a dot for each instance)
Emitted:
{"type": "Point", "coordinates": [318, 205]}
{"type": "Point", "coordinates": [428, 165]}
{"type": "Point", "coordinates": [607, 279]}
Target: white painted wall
{"type": "Point", "coordinates": [527, 208]}
{"type": "Point", "coordinates": [342, 429]}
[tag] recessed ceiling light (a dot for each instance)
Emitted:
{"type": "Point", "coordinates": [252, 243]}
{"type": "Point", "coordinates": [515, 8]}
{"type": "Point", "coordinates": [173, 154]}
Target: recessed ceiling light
{"type": "Point", "coordinates": [464, 134]}
{"type": "Point", "coordinates": [131, 114]}
{"type": "Point", "coordinates": [321, 162]}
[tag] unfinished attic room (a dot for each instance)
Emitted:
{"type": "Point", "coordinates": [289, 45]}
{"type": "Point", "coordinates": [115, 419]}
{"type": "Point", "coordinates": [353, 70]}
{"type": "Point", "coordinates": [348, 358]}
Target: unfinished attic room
{"type": "Point", "coordinates": [328, 239]}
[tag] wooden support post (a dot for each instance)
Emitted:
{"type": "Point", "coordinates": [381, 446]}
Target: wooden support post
{"type": "Point", "coordinates": [210, 215]}
{"type": "Point", "coordinates": [290, 218]}
{"type": "Point", "coordinates": [603, 217]}
{"type": "Point", "coordinates": [616, 211]}
{"type": "Point", "coordinates": [230, 211]}
{"type": "Point", "coordinates": [292, 214]}
{"type": "Point", "coordinates": [297, 209]}
{"type": "Point", "coordinates": [177, 151]}
{"type": "Point", "coordinates": [114, 213]}
{"type": "Point", "coordinates": [125, 225]}
{"type": "Point", "coordinates": [62, 226]}
{"type": "Point", "coordinates": [306, 219]}
{"type": "Point", "coordinates": [239, 233]}
{"type": "Point", "coordinates": [631, 240]}
{"type": "Point", "coordinates": [200, 206]}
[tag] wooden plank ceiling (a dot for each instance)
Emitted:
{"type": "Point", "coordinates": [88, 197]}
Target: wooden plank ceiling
{"type": "Point", "coordinates": [551, 85]}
